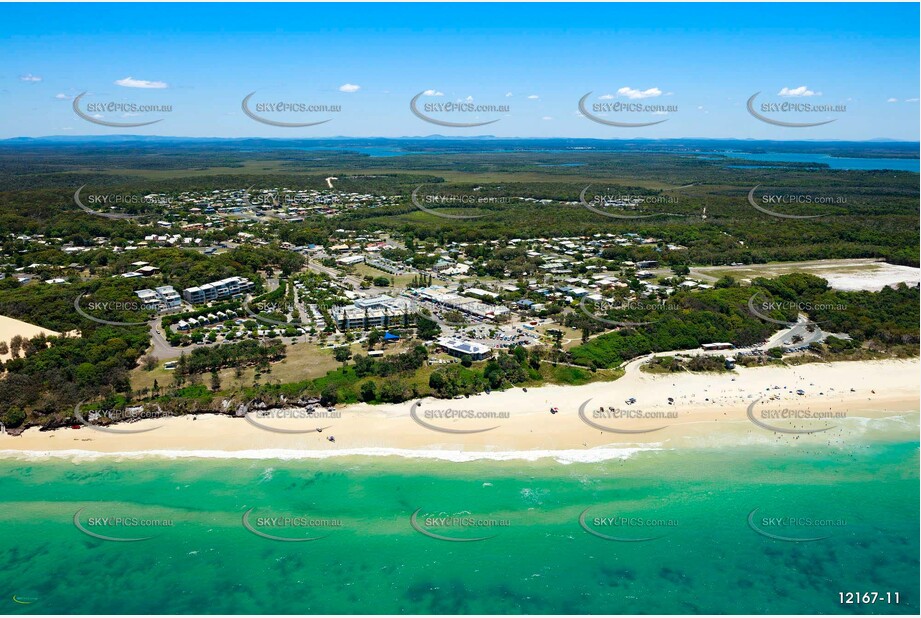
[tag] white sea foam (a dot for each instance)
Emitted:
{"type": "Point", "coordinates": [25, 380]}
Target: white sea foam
{"type": "Point", "coordinates": [560, 456]}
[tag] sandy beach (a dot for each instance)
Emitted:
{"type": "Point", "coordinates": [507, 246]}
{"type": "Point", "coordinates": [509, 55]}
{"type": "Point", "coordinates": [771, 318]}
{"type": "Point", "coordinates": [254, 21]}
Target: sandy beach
{"type": "Point", "coordinates": [706, 410]}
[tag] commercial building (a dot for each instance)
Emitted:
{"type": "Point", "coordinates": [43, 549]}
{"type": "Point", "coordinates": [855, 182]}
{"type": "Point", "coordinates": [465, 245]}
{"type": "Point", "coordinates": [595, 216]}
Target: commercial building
{"type": "Point", "coordinates": [471, 306]}
{"type": "Point", "coordinates": [388, 266]}
{"type": "Point", "coordinates": [477, 292]}
{"type": "Point", "coordinates": [463, 347]}
{"type": "Point", "coordinates": [225, 288]}
{"type": "Point", "coordinates": [350, 260]}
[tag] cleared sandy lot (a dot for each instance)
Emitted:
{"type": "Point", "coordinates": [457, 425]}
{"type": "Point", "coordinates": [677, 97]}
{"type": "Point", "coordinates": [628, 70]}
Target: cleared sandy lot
{"type": "Point", "coordinates": [865, 274]}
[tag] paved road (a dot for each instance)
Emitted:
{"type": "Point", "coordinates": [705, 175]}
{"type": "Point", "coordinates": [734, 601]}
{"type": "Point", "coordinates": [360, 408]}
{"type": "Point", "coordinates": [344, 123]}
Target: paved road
{"type": "Point", "coordinates": [801, 328]}
{"type": "Point", "coordinates": [161, 348]}
{"type": "Point", "coordinates": [335, 274]}
{"type": "Point", "coordinates": [776, 340]}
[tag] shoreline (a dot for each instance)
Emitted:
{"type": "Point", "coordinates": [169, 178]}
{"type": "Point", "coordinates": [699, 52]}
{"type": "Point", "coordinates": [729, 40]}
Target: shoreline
{"type": "Point", "coordinates": [708, 411]}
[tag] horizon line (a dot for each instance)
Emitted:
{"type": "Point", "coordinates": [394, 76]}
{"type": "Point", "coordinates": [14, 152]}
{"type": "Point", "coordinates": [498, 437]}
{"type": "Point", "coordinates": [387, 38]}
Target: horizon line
{"type": "Point", "coordinates": [449, 137]}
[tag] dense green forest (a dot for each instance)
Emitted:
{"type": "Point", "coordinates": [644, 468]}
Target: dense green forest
{"type": "Point", "coordinates": [873, 214]}
{"type": "Point", "coordinates": [885, 318]}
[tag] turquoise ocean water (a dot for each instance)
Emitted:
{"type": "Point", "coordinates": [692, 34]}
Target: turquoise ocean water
{"type": "Point", "coordinates": [676, 534]}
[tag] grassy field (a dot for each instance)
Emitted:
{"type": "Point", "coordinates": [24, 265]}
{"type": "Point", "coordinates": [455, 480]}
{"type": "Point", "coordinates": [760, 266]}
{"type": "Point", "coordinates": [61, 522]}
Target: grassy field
{"type": "Point", "coordinates": [303, 361]}
{"type": "Point", "coordinates": [308, 361]}
{"type": "Point", "coordinates": [399, 281]}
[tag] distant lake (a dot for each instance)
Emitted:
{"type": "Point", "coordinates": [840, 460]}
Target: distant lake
{"type": "Point", "coordinates": [396, 151]}
{"type": "Point", "coordinates": [371, 151]}
{"type": "Point", "coordinates": [836, 163]}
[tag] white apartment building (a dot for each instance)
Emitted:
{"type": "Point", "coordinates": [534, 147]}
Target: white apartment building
{"type": "Point", "coordinates": [163, 298]}
{"type": "Point", "coordinates": [377, 312]}
{"type": "Point", "coordinates": [216, 290]}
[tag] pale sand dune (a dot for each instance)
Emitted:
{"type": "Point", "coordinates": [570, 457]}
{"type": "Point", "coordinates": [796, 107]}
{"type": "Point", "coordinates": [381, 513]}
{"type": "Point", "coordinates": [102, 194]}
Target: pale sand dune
{"type": "Point", "coordinates": [10, 327]}
{"type": "Point", "coordinates": [711, 411]}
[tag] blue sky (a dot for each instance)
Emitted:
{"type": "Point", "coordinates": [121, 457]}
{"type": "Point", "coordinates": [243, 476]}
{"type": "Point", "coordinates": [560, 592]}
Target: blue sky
{"type": "Point", "coordinates": [700, 62]}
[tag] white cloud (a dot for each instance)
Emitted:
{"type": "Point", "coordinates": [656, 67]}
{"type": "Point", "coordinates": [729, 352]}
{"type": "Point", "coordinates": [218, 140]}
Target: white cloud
{"type": "Point", "coordinates": [892, 100]}
{"type": "Point", "coordinates": [130, 82]}
{"type": "Point", "coordinates": [63, 97]}
{"type": "Point", "coordinates": [633, 93]}
{"type": "Point", "coordinates": [508, 94]}
{"type": "Point", "coordinates": [533, 96]}
{"type": "Point", "coordinates": [28, 77]}
{"type": "Point", "coordinates": [802, 91]}
{"type": "Point", "coordinates": [433, 93]}
{"type": "Point", "coordinates": [469, 99]}
{"type": "Point", "coordinates": [606, 97]}
{"type": "Point", "coordinates": [546, 117]}
{"type": "Point", "coordinates": [349, 88]}
{"type": "Point", "coordinates": [915, 100]}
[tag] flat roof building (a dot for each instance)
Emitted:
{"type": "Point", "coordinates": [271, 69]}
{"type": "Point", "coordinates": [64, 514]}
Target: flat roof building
{"type": "Point", "coordinates": [224, 288]}
{"type": "Point", "coordinates": [350, 259]}
{"type": "Point", "coordinates": [168, 296]}
{"type": "Point", "coordinates": [162, 298]}
{"type": "Point", "coordinates": [458, 347]}
{"type": "Point", "coordinates": [437, 295]}
{"type": "Point", "coordinates": [377, 312]}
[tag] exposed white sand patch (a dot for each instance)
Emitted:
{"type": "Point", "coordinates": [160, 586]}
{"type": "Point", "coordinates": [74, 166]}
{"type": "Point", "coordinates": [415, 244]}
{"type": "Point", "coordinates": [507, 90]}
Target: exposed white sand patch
{"type": "Point", "coordinates": [873, 278]}
{"type": "Point", "coordinates": [849, 275]}
{"type": "Point", "coordinates": [10, 327]}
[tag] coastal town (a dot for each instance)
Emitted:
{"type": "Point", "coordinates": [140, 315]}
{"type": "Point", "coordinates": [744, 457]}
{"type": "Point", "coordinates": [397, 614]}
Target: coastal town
{"type": "Point", "coordinates": [356, 282]}
{"type": "Point", "coordinates": [427, 309]}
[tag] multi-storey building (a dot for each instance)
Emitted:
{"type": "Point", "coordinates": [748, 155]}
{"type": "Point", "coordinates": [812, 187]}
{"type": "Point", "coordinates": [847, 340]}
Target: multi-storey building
{"type": "Point", "coordinates": [163, 298]}
{"type": "Point", "coordinates": [377, 312]}
{"type": "Point", "coordinates": [216, 290]}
